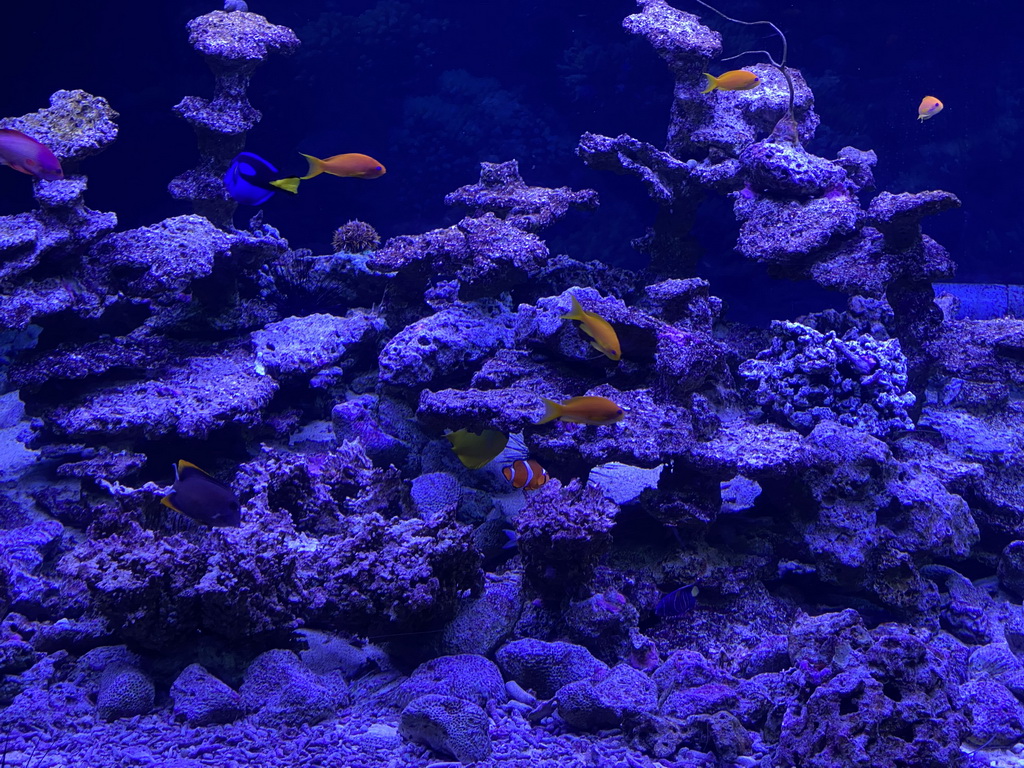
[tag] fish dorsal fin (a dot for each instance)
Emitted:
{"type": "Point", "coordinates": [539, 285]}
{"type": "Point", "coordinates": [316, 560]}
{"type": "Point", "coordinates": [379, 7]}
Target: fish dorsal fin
{"type": "Point", "coordinates": [187, 467]}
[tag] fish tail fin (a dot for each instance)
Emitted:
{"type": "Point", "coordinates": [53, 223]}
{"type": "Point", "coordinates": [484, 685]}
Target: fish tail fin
{"type": "Point", "coordinates": [289, 184]}
{"type": "Point", "coordinates": [552, 411]}
{"type": "Point", "coordinates": [576, 313]}
{"type": "Point", "coordinates": [316, 166]}
{"type": "Point", "coordinates": [712, 83]}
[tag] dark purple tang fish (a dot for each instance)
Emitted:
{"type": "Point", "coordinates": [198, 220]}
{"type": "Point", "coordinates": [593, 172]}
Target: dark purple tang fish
{"type": "Point", "coordinates": [203, 498]}
{"type": "Point", "coordinates": [677, 603]}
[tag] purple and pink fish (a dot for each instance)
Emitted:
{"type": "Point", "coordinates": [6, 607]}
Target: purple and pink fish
{"type": "Point", "coordinates": [25, 154]}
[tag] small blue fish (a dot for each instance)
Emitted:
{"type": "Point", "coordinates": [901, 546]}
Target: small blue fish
{"type": "Point", "coordinates": [677, 603]}
{"type": "Point", "coordinates": [248, 179]}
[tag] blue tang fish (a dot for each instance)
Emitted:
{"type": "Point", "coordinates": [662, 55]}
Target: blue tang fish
{"type": "Point", "coordinates": [248, 179]}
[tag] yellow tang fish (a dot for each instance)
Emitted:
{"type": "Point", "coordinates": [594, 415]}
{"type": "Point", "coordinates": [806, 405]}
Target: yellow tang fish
{"type": "Point", "coordinates": [733, 80]}
{"type": "Point", "coordinates": [589, 409]}
{"type": "Point", "coordinates": [477, 450]}
{"type": "Point", "coordinates": [596, 327]}
{"type": "Point", "coordinates": [929, 107]}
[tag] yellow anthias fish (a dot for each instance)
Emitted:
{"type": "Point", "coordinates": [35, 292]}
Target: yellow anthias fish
{"type": "Point", "coordinates": [589, 409]}
{"type": "Point", "coordinates": [929, 107]}
{"type": "Point", "coordinates": [477, 450]}
{"type": "Point", "coordinates": [733, 80]}
{"type": "Point", "coordinates": [596, 327]}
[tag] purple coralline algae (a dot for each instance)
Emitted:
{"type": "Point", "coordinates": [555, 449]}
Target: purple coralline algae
{"type": "Point", "coordinates": [806, 376]}
{"type": "Point", "coordinates": [841, 492]}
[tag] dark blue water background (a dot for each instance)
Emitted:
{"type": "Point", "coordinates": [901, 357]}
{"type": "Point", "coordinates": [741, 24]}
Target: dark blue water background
{"type": "Point", "coordinates": [432, 88]}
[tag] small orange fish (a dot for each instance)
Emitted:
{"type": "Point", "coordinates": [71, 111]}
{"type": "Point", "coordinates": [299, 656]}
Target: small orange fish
{"type": "Point", "coordinates": [25, 154]}
{"type": "Point", "coordinates": [929, 107]}
{"type": "Point", "coordinates": [589, 409]}
{"type": "Point", "coordinates": [596, 327]}
{"type": "Point", "coordinates": [526, 474]}
{"type": "Point", "coordinates": [733, 80]}
{"type": "Point", "coordinates": [350, 164]}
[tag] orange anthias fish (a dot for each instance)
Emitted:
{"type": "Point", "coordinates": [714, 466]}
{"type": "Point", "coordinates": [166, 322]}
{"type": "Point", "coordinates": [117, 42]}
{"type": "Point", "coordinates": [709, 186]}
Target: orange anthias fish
{"type": "Point", "coordinates": [526, 474]}
{"type": "Point", "coordinates": [596, 327]}
{"type": "Point", "coordinates": [929, 107]}
{"type": "Point", "coordinates": [589, 409]}
{"type": "Point", "coordinates": [350, 164]}
{"type": "Point", "coordinates": [733, 80]}
{"type": "Point", "coordinates": [25, 154]}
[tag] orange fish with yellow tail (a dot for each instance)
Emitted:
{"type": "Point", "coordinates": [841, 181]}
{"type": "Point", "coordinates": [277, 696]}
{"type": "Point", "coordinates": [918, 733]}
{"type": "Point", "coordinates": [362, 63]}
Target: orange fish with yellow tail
{"type": "Point", "coordinates": [589, 409]}
{"type": "Point", "coordinates": [597, 328]}
{"type": "Point", "coordinates": [350, 164]}
{"type": "Point", "coordinates": [733, 80]}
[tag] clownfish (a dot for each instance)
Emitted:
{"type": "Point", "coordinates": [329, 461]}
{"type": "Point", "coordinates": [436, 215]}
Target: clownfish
{"type": "Point", "coordinates": [733, 80]}
{"type": "Point", "coordinates": [25, 154]}
{"type": "Point", "coordinates": [597, 328]}
{"type": "Point", "coordinates": [929, 107]}
{"type": "Point", "coordinates": [351, 164]}
{"type": "Point", "coordinates": [589, 409]}
{"type": "Point", "coordinates": [526, 474]}
{"type": "Point", "coordinates": [201, 497]}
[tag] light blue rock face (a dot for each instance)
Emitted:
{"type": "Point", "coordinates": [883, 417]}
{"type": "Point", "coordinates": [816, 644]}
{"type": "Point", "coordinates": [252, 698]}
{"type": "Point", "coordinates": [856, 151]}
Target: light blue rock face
{"type": "Point", "coordinates": [445, 345]}
{"type": "Point", "coordinates": [298, 345]}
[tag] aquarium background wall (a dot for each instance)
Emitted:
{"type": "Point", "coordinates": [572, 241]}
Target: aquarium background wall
{"type": "Point", "coordinates": [437, 87]}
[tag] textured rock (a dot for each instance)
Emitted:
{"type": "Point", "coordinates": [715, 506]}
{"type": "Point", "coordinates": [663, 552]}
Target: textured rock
{"type": "Point", "coordinates": [448, 724]}
{"type": "Point", "coordinates": [124, 691]}
{"type": "Point", "coordinates": [303, 345]}
{"type": "Point", "coordinates": [592, 705]}
{"type": "Point", "coordinates": [191, 399]}
{"type": "Point", "coordinates": [201, 699]}
{"type": "Point", "coordinates": [285, 693]}
{"type": "Point", "coordinates": [501, 191]}
{"type": "Point", "coordinates": [443, 346]}
{"type": "Point", "coordinates": [465, 676]}
{"type": "Point", "coordinates": [545, 667]}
